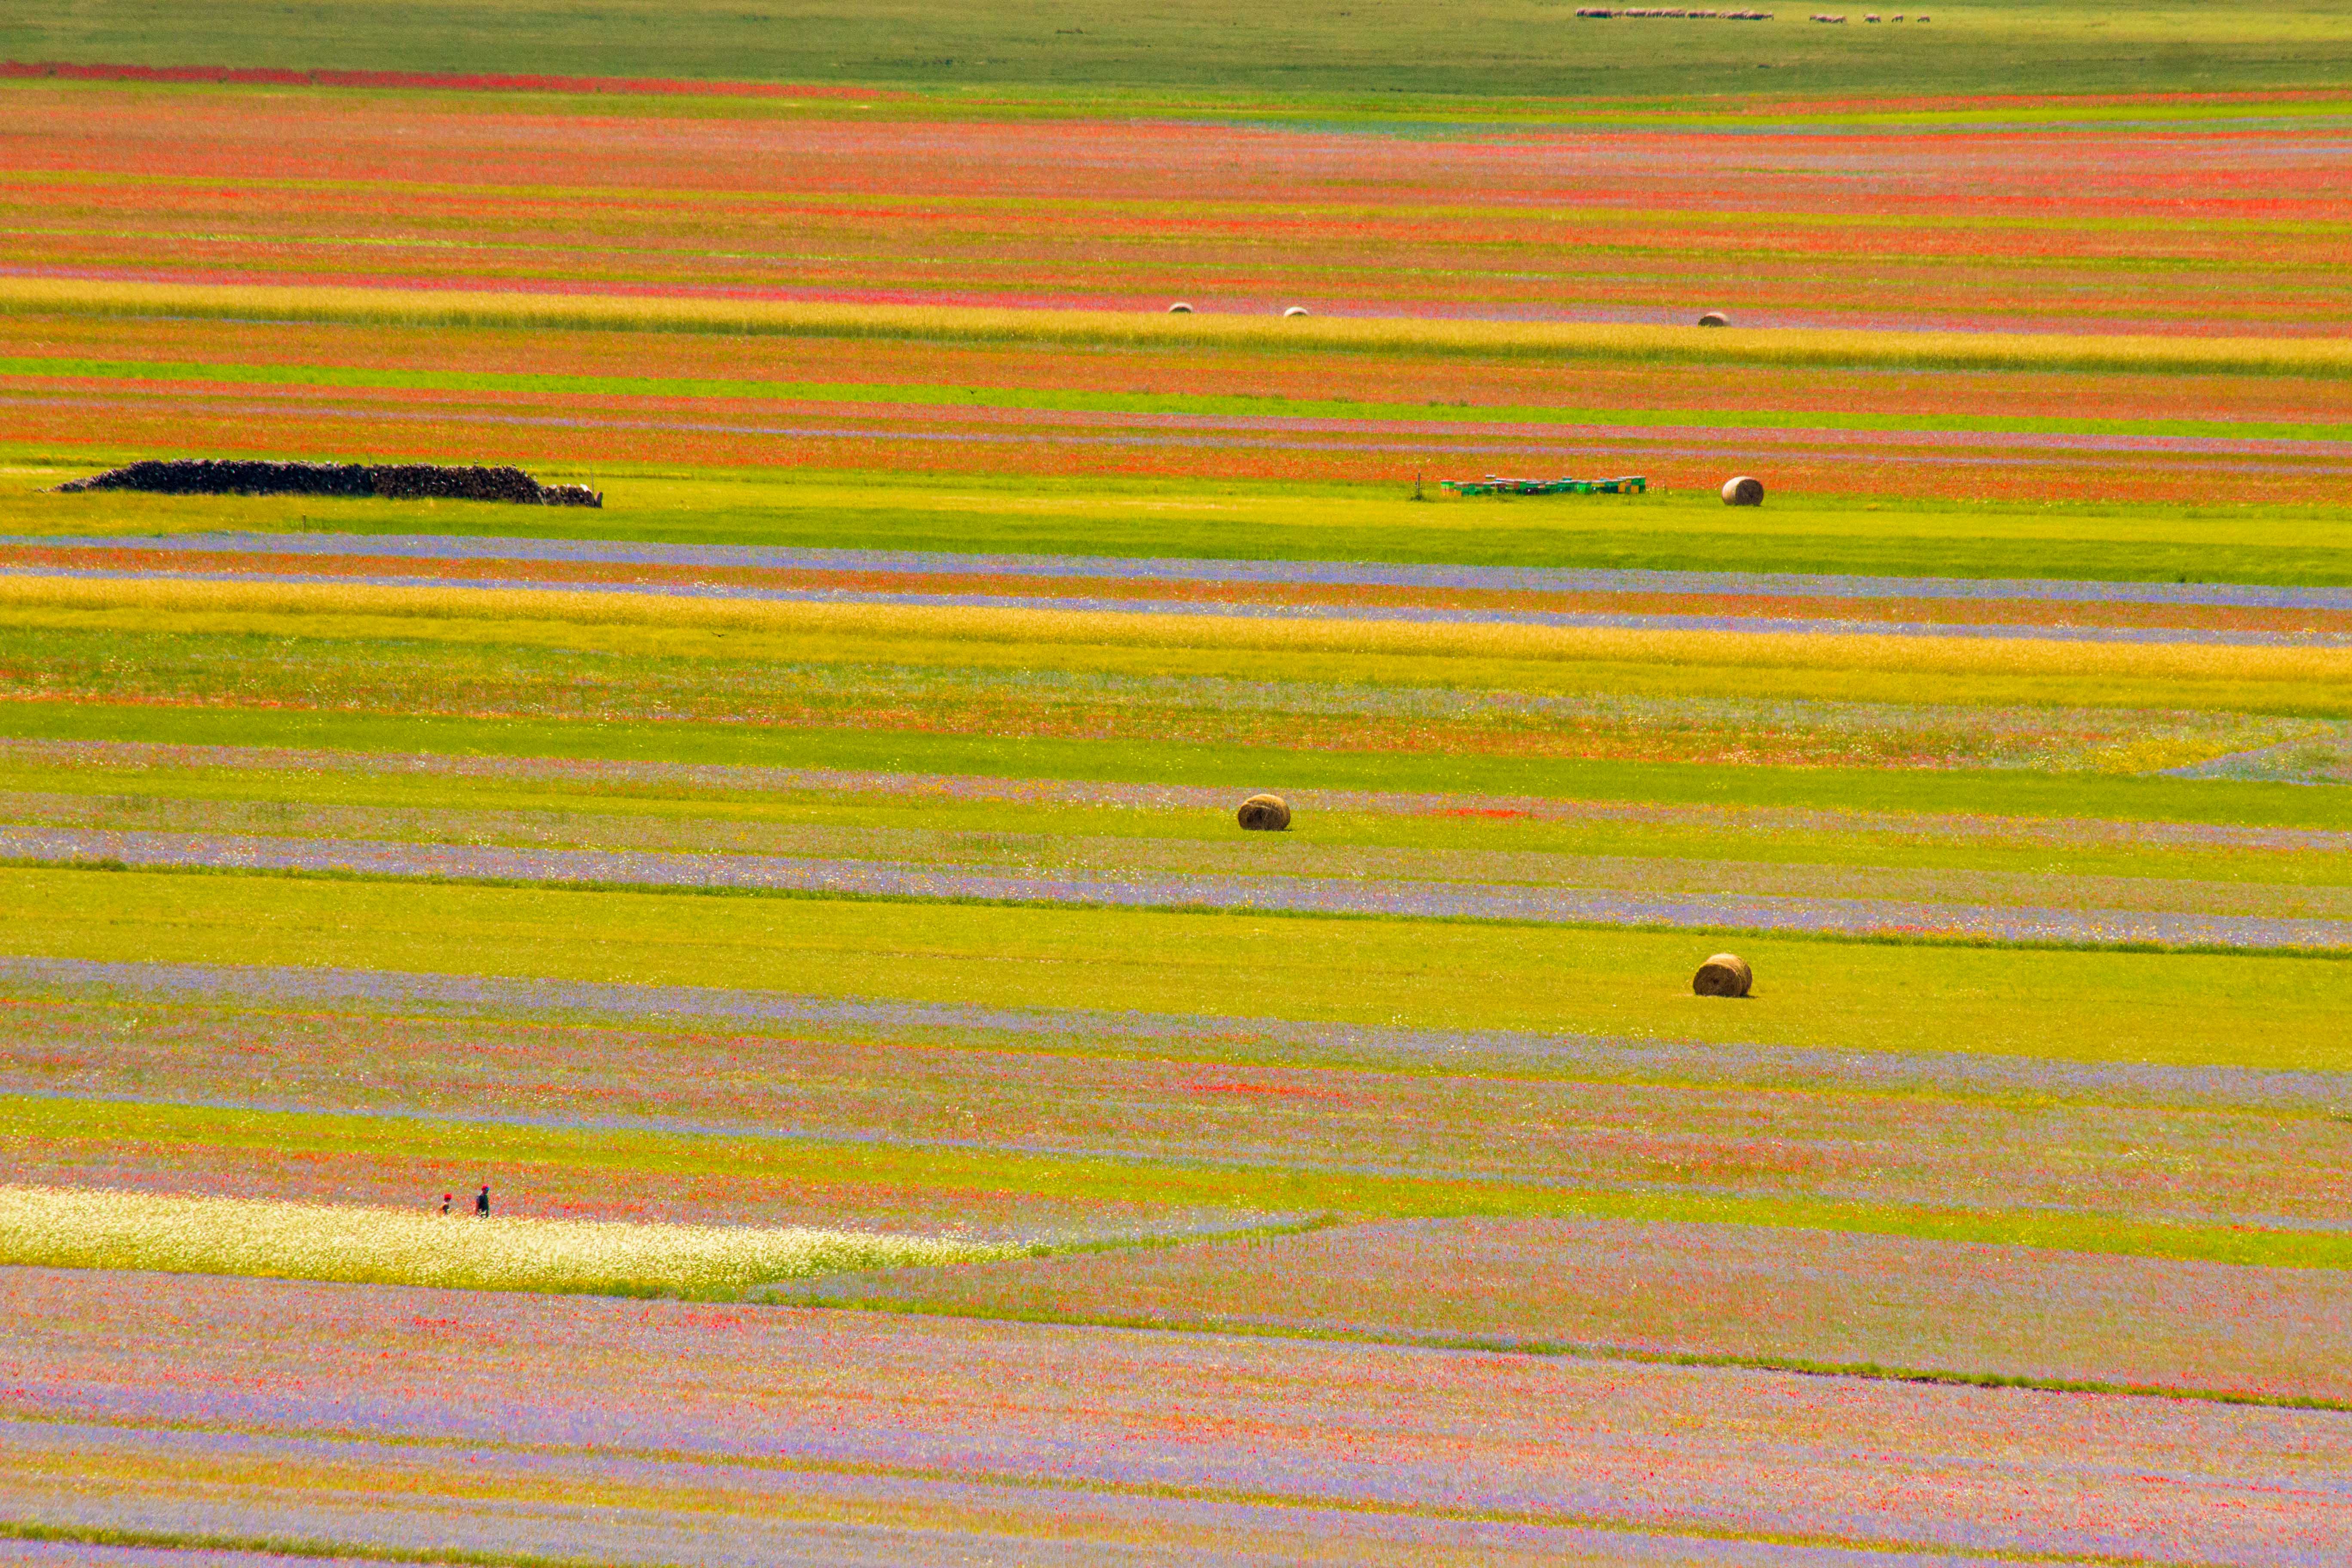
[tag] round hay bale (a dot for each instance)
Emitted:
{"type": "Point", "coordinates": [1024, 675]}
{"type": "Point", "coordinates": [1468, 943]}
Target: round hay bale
{"type": "Point", "coordinates": [1295, 310]}
{"type": "Point", "coordinates": [1265, 814]}
{"type": "Point", "coordinates": [1725, 974]}
{"type": "Point", "coordinates": [1180, 308]}
{"type": "Point", "coordinates": [1715, 318]}
{"type": "Point", "coordinates": [1743, 491]}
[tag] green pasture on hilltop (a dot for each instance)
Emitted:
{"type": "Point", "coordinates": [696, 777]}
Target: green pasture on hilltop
{"type": "Point", "coordinates": [2266, 1011]}
{"type": "Point", "coordinates": [1339, 50]}
{"type": "Point", "coordinates": [2254, 543]}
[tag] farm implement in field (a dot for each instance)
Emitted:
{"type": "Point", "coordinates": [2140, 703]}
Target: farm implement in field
{"type": "Point", "coordinates": [1492, 485]}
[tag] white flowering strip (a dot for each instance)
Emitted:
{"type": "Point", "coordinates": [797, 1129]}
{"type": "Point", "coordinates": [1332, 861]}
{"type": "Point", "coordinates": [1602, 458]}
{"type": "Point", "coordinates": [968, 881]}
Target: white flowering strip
{"type": "Point", "coordinates": [79, 1229]}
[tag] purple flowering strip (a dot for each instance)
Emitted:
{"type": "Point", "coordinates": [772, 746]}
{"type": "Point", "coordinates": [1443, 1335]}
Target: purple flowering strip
{"type": "Point", "coordinates": [1594, 1056]}
{"type": "Point", "coordinates": [1273, 894]}
{"type": "Point", "coordinates": [1084, 793]}
{"type": "Point", "coordinates": [1537, 1440]}
{"type": "Point", "coordinates": [426, 547]}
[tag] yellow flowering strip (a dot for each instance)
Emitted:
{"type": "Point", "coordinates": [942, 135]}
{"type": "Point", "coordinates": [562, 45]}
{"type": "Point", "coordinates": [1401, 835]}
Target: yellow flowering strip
{"type": "Point", "coordinates": [1342, 334]}
{"type": "Point", "coordinates": [77, 1228]}
{"type": "Point", "coordinates": [1961, 657]}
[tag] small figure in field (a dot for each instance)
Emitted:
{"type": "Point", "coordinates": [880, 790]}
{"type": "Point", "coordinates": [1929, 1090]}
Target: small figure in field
{"type": "Point", "coordinates": [447, 1198]}
{"type": "Point", "coordinates": [482, 1202]}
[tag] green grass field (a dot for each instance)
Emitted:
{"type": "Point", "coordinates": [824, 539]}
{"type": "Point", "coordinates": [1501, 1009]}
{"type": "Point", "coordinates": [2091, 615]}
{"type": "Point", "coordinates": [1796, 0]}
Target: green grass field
{"type": "Point", "coordinates": [2252, 542]}
{"type": "Point", "coordinates": [1340, 54]}
{"type": "Point", "coordinates": [2254, 1012]}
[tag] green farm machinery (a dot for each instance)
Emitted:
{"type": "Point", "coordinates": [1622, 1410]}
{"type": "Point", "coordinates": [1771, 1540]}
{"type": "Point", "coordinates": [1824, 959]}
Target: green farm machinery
{"type": "Point", "coordinates": [1492, 485]}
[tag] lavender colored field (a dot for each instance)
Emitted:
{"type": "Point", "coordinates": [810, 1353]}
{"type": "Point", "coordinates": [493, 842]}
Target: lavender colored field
{"type": "Point", "coordinates": [1690, 622]}
{"type": "Point", "coordinates": [1293, 895]}
{"type": "Point", "coordinates": [1537, 1444]}
{"type": "Point", "coordinates": [1261, 1039]}
{"type": "Point", "coordinates": [120, 765]}
{"type": "Point", "coordinates": [1685, 601]}
{"type": "Point", "coordinates": [676, 1508]}
{"type": "Point", "coordinates": [1717, 1293]}
{"type": "Point", "coordinates": [1232, 574]}
{"type": "Point", "coordinates": [1174, 855]}
{"type": "Point", "coordinates": [790, 1073]}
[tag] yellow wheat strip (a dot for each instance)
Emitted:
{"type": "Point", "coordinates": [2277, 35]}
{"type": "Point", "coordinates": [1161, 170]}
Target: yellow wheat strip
{"type": "Point", "coordinates": [73, 1228]}
{"type": "Point", "coordinates": [1732, 651]}
{"type": "Point", "coordinates": [1555, 340]}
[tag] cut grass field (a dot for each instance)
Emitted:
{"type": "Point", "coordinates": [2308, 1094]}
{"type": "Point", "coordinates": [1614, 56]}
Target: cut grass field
{"type": "Point", "coordinates": [2260, 1012]}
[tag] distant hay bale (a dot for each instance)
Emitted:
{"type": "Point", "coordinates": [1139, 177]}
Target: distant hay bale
{"type": "Point", "coordinates": [1180, 308]}
{"type": "Point", "coordinates": [1715, 318]}
{"type": "Point", "coordinates": [1265, 814]}
{"type": "Point", "coordinates": [1725, 974]}
{"type": "Point", "coordinates": [1743, 490]}
{"type": "Point", "coordinates": [1295, 310]}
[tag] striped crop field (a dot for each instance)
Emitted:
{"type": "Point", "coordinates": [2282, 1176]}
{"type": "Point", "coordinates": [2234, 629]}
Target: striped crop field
{"type": "Point", "coordinates": [748, 1022]}
{"type": "Point", "coordinates": [2233, 230]}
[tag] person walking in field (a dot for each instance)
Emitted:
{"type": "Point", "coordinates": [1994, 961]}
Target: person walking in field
{"type": "Point", "coordinates": [482, 1202]}
{"type": "Point", "coordinates": [447, 1198]}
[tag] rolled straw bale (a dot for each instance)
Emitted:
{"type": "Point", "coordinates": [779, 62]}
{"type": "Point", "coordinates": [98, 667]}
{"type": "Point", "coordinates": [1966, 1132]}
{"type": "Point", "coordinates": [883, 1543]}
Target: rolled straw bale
{"type": "Point", "coordinates": [1715, 318]}
{"type": "Point", "coordinates": [1725, 974]}
{"type": "Point", "coordinates": [1180, 308]}
{"type": "Point", "coordinates": [1265, 814]}
{"type": "Point", "coordinates": [1742, 490]}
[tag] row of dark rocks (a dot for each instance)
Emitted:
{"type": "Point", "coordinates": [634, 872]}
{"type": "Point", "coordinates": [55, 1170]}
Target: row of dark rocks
{"type": "Point", "coordinates": [391, 481]}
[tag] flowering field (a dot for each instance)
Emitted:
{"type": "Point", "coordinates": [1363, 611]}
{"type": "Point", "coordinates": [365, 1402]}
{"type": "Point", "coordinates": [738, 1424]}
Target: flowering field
{"type": "Point", "coordinates": [1974, 225]}
{"type": "Point", "coordinates": [806, 889]}
{"type": "Point", "coordinates": [1419, 254]}
{"type": "Point", "coordinates": [627, 1429]}
{"type": "Point", "coordinates": [80, 1229]}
